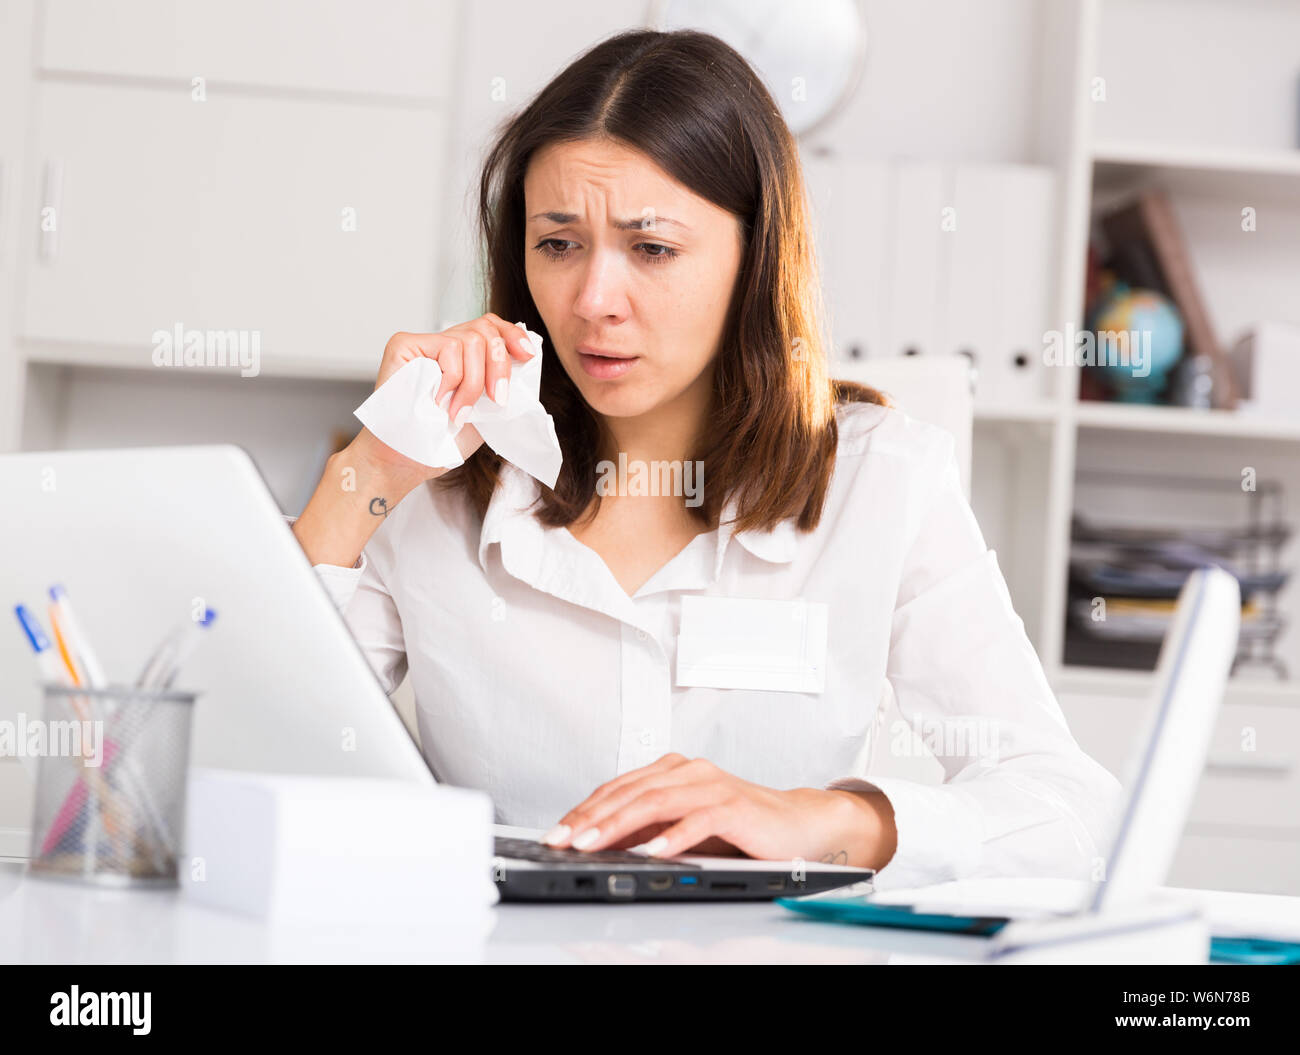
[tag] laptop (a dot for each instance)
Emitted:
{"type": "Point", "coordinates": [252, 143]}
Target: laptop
{"type": "Point", "coordinates": [1191, 674]}
{"type": "Point", "coordinates": [139, 535]}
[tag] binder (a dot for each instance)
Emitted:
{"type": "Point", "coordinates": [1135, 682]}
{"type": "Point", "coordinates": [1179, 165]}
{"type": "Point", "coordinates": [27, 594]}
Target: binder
{"type": "Point", "coordinates": [1023, 307]}
{"type": "Point", "coordinates": [918, 203]}
{"type": "Point", "coordinates": [850, 202]}
{"type": "Point", "coordinates": [970, 318]}
{"type": "Point", "coordinates": [997, 293]}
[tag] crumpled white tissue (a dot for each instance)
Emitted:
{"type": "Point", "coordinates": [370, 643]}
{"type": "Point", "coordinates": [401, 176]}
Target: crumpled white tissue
{"type": "Point", "coordinates": [402, 413]}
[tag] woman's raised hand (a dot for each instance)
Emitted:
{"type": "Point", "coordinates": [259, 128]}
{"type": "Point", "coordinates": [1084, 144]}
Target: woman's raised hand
{"type": "Point", "coordinates": [474, 357]}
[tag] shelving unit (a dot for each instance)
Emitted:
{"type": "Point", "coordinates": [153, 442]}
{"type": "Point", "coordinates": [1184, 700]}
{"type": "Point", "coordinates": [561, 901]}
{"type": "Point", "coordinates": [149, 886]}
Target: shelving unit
{"type": "Point", "coordinates": [1164, 419]}
{"type": "Point", "coordinates": [1216, 144]}
{"type": "Point", "coordinates": [1270, 175]}
{"type": "Point", "coordinates": [1103, 151]}
{"type": "Point", "coordinates": [1025, 453]}
{"type": "Point", "coordinates": [1227, 149]}
{"type": "Point", "coordinates": [1228, 146]}
{"type": "Point", "coordinates": [1074, 681]}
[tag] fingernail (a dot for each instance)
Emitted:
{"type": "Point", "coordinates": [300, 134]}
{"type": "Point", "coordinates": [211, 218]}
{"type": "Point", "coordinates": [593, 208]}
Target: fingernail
{"type": "Point", "coordinates": [651, 848]}
{"type": "Point", "coordinates": [499, 393]}
{"type": "Point", "coordinates": [446, 399]}
{"type": "Point", "coordinates": [462, 416]}
{"type": "Point", "coordinates": [586, 838]}
{"type": "Point", "coordinates": [560, 831]}
{"type": "Point", "coordinates": [498, 349]}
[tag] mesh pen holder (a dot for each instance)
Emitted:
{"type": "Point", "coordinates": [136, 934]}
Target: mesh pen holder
{"type": "Point", "coordinates": [110, 788]}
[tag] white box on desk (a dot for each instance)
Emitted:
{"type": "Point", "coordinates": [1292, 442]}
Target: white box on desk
{"type": "Point", "coordinates": [304, 849]}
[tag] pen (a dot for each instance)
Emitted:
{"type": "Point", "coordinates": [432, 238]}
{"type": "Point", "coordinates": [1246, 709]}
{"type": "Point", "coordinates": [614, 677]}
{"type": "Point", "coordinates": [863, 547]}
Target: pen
{"type": "Point", "coordinates": [163, 666]}
{"type": "Point", "coordinates": [47, 662]}
{"type": "Point", "coordinates": [51, 667]}
{"type": "Point", "coordinates": [78, 643]}
{"type": "Point", "coordinates": [75, 674]}
{"type": "Point", "coordinates": [52, 671]}
{"type": "Point", "coordinates": [125, 770]}
{"type": "Point", "coordinates": [59, 667]}
{"type": "Point", "coordinates": [159, 673]}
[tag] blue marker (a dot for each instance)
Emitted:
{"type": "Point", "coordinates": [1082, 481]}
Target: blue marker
{"type": "Point", "coordinates": [47, 660]}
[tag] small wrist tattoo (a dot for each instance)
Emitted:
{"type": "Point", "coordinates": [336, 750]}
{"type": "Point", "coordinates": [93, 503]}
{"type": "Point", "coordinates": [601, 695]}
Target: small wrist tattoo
{"type": "Point", "coordinates": [379, 507]}
{"type": "Point", "coordinates": [836, 858]}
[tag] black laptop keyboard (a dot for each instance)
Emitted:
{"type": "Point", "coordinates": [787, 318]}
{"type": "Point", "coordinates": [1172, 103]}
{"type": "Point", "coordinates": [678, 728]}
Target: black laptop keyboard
{"type": "Point", "coordinates": [527, 850]}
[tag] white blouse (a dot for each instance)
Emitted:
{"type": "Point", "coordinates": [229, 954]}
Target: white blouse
{"type": "Point", "coordinates": [537, 678]}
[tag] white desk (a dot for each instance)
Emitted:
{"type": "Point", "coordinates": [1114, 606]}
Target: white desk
{"type": "Point", "coordinates": [52, 921]}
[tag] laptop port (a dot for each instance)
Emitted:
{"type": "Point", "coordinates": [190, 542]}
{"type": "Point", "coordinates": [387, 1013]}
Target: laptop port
{"type": "Point", "coordinates": [661, 882]}
{"type": "Point", "coordinates": [729, 888]}
{"type": "Point", "coordinates": [585, 883]}
{"type": "Point", "coordinates": [622, 886]}
{"type": "Point", "coordinates": [776, 884]}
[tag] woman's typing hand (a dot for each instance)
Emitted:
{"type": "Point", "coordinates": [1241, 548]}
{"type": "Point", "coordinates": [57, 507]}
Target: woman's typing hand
{"type": "Point", "coordinates": [678, 805]}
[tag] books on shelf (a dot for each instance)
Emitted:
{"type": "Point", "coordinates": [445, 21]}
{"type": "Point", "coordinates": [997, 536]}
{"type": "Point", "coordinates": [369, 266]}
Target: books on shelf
{"type": "Point", "coordinates": [1147, 250]}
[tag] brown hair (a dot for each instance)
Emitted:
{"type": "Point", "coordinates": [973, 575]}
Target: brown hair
{"type": "Point", "coordinates": [694, 107]}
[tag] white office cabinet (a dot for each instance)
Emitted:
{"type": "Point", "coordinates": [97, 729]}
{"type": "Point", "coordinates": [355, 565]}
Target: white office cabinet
{"type": "Point", "coordinates": [231, 215]}
{"type": "Point", "coordinates": [376, 47]}
{"type": "Point", "coordinates": [1224, 860]}
{"type": "Point", "coordinates": [1251, 774]}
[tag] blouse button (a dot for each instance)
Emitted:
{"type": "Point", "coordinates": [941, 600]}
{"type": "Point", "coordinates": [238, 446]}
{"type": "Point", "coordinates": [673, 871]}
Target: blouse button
{"type": "Point", "coordinates": [641, 635]}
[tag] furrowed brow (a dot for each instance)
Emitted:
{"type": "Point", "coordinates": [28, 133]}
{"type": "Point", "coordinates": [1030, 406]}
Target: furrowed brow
{"type": "Point", "coordinates": [639, 223]}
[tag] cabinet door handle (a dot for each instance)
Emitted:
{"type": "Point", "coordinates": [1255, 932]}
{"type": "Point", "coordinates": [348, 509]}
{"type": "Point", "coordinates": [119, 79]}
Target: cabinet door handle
{"type": "Point", "coordinates": [51, 209]}
{"type": "Point", "coordinates": [1261, 767]}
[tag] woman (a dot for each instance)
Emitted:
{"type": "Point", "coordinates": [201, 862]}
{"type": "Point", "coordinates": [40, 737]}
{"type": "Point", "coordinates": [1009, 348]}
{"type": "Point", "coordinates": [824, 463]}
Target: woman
{"type": "Point", "coordinates": [646, 216]}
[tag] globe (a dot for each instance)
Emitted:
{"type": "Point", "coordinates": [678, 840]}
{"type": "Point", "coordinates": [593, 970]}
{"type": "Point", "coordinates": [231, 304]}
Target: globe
{"type": "Point", "coordinates": [1145, 325]}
